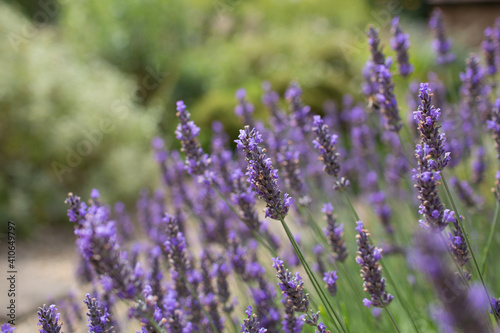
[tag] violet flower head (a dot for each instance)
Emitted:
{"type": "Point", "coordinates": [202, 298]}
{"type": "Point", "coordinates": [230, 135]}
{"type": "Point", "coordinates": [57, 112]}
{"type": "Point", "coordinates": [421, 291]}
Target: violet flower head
{"type": "Point", "coordinates": [326, 143]}
{"type": "Point", "coordinates": [251, 324]}
{"type": "Point", "coordinates": [291, 323]}
{"type": "Point", "coordinates": [371, 270]}
{"type": "Point", "coordinates": [330, 279]}
{"type": "Point", "coordinates": [321, 328]}
{"type": "Point", "coordinates": [244, 109]}
{"type": "Point", "coordinates": [479, 166]}
{"type": "Point", "coordinates": [288, 160]}
{"type": "Point", "coordinates": [159, 147]}
{"type": "Point", "coordinates": [462, 307]}
{"type": "Point", "coordinates": [400, 42]}
{"type": "Point", "coordinates": [300, 111]}
{"type": "Point", "coordinates": [428, 118]}
{"type": "Point", "coordinates": [197, 163]}
{"type": "Point", "coordinates": [441, 44]}
{"type": "Point", "coordinates": [49, 320]}
{"type": "Point", "coordinates": [474, 92]}
{"type": "Point", "coordinates": [77, 209]}
{"type": "Point", "coordinates": [292, 286]}
{"type": "Point", "coordinates": [465, 193]}
{"type": "Point", "coordinates": [493, 126]}
{"type": "Point", "coordinates": [491, 47]}
{"type": "Point", "coordinates": [427, 182]}
{"type": "Point", "coordinates": [377, 57]}
{"type": "Point", "coordinates": [496, 306]}
{"type": "Point", "coordinates": [458, 244]}
{"type": "Point", "coordinates": [261, 174]}
{"type": "Point", "coordinates": [99, 318]}
{"type": "Point", "coordinates": [387, 100]}
{"type": "Point", "coordinates": [334, 233]}
{"type": "Point", "coordinates": [98, 244]}
{"type": "Point", "coordinates": [6, 328]}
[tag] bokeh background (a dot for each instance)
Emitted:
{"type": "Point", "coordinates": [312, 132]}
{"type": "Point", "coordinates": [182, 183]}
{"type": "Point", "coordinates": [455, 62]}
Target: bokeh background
{"type": "Point", "coordinates": [86, 84]}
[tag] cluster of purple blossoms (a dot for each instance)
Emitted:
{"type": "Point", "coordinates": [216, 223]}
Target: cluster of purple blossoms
{"type": "Point", "coordinates": [458, 245]}
{"type": "Point", "coordinates": [387, 100]}
{"type": "Point", "coordinates": [291, 323]}
{"type": "Point", "coordinates": [326, 143]}
{"type": "Point", "coordinates": [490, 48]}
{"type": "Point", "coordinates": [465, 193]}
{"type": "Point", "coordinates": [330, 279]}
{"type": "Point", "coordinates": [441, 44]}
{"type": "Point", "coordinates": [474, 94]}
{"type": "Point", "coordinates": [49, 320]}
{"type": "Point", "coordinates": [321, 328]}
{"type": "Point", "coordinates": [292, 286]}
{"type": "Point", "coordinates": [400, 42]}
{"type": "Point", "coordinates": [98, 245]}
{"type": "Point", "coordinates": [197, 163]}
{"type": "Point", "coordinates": [427, 182]}
{"type": "Point", "coordinates": [261, 175]}
{"type": "Point", "coordinates": [99, 318]}
{"type": "Point", "coordinates": [244, 109]}
{"type": "Point", "coordinates": [463, 309]}
{"type": "Point", "coordinates": [371, 270]}
{"type": "Point", "coordinates": [428, 118]}
{"type": "Point", "coordinates": [251, 324]}
{"type": "Point", "coordinates": [288, 160]}
{"type": "Point", "coordinates": [301, 112]}
{"type": "Point", "coordinates": [6, 328]}
{"type": "Point", "coordinates": [494, 126]}
{"type": "Point", "coordinates": [334, 233]}
{"type": "Point", "coordinates": [77, 209]}
{"type": "Point", "coordinates": [377, 58]}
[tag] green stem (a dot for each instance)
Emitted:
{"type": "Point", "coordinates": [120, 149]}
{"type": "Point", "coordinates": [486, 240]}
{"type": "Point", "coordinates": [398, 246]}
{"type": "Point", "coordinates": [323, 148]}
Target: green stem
{"type": "Point", "coordinates": [464, 232]}
{"type": "Point", "coordinates": [490, 238]}
{"type": "Point", "coordinates": [390, 316]}
{"type": "Point", "coordinates": [329, 307]}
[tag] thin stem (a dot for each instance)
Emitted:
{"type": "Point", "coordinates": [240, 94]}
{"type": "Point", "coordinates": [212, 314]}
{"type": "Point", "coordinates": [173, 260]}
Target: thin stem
{"type": "Point", "coordinates": [464, 232]}
{"type": "Point", "coordinates": [490, 238]}
{"type": "Point", "coordinates": [390, 316]}
{"type": "Point", "coordinates": [329, 307]}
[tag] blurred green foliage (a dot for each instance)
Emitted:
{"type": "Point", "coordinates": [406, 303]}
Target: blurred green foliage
{"type": "Point", "coordinates": [64, 75]}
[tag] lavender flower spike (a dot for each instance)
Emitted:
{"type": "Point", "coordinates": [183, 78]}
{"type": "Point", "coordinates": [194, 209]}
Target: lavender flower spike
{"type": "Point", "coordinates": [326, 144]}
{"type": "Point", "coordinates": [331, 282]}
{"type": "Point", "coordinates": [400, 42]}
{"type": "Point", "coordinates": [321, 328]}
{"type": "Point", "coordinates": [49, 320]}
{"type": "Point", "coordinates": [387, 100]}
{"type": "Point", "coordinates": [490, 47]}
{"type": "Point", "coordinates": [441, 45]}
{"type": "Point", "coordinates": [377, 57]}
{"type": "Point", "coordinates": [334, 233]}
{"type": "Point", "coordinates": [428, 117]}
{"type": "Point", "coordinates": [371, 270]}
{"type": "Point", "coordinates": [244, 109]}
{"type": "Point", "coordinates": [251, 324]}
{"type": "Point", "coordinates": [292, 286]}
{"type": "Point", "coordinates": [99, 318]}
{"type": "Point", "coordinates": [6, 328]}
{"type": "Point", "coordinates": [494, 126]}
{"type": "Point", "coordinates": [196, 161]}
{"type": "Point", "coordinates": [261, 175]}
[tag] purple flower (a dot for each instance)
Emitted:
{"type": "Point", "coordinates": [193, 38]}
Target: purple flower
{"type": "Point", "coordinates": [321, 328]}
{"type": "Point", "coordinates": [288, 160]}
{"type": "Point", "coordinates": [326, 143]}
{"type": "Point", "coordinates": [261, 174]}
{"type": "Point", "coordinates": [466, 193]}
{"type": "Point", "coordinates": [334, 233]}
{"type": "Point", "coordinates": [99, 318]}
{"type": "Point", "coordinates": [458, 245]}
{"type": "Point", "coordinates": [6, 328]}
{"type": "Point", "coordinates": [400, 42]}
{"type": "Point", "coordinates": [491, 48]}
{"type": "Point", "coordinates": [49, 320]}
{"type": "Point", "coordinates": [387, 100]}
{"type": "Point", "coordinates": [377, 57]}
{"type": "Point", "coordinates": [197, 163]}
{"type": "Point", "coordinates": [291, 323]}
{"type": "Point", "coordinates": [441, 44]}
{"type": "Point", "coordinates": [244, 109]}
{"type": "Point", "coordinates": [371, 270]}
{"type": "Point", "coordinates": [77, 209]}
{"type": "Point", "coordinates": [251, 324]}
{"type": "Point", "coordinates": [493, 126]}
{"type": "Point", "coordinates": [292, 286]}
{"type": "Point", "coordinates": [300, 111]}
{"type": "Point", "coordinates": [330, 279]}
